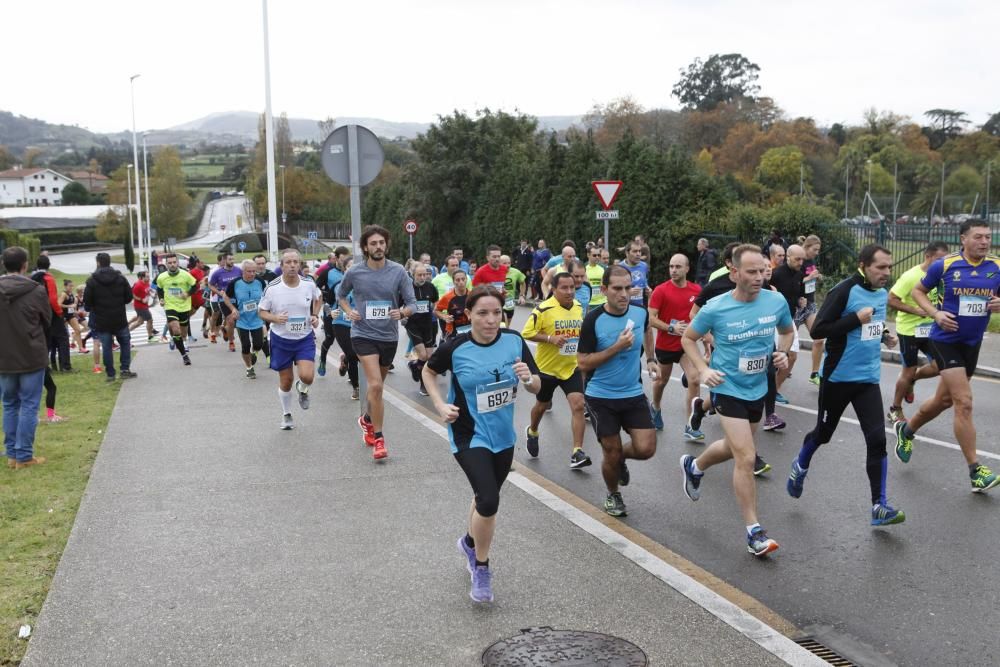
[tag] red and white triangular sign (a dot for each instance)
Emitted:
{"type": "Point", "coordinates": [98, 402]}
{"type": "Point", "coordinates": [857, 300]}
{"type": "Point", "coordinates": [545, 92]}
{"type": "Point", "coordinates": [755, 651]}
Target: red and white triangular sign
{"type": "Point", "coordinates": [607, 191]}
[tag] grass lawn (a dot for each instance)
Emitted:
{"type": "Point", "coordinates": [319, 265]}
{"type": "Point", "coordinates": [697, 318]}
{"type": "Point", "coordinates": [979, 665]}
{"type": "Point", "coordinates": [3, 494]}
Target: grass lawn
{"type": "Point", "coordinates": [77, 278]}
{"type": "Point", "coordinates": [201, 171]}
{"type": "Point", "coordinates": [38, 505]}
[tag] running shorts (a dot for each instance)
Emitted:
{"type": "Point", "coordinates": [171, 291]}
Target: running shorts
{"type": "Point", "coordinates": [571, 385]}
{"type": "Point", "coordinates": [738, 408]}
{"type": "Point", "coordinates": [609, 416]}
{"type": "Point", "coordinates": [386, 350]}
{"type": "Point", "coordinates": [955, 355]}
{"type": "Point", "coordinates": [285, 351]}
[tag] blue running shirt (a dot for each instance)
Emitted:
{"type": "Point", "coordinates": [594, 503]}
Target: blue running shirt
{"type": "Point", "coordinates": [853, 350]}
{"type": "Point", "coordinates": [640, 279]}
{"type": "Point", "coordinates": [245, 296]}
{"type": "Point", "coordinates": [483, 387]}
{"type": "Point", "coordinates": [744, 339]}
{"type": "Point", "coordinates": [965, 289]}
{"type": "Point", "coordinates": [619, 377]}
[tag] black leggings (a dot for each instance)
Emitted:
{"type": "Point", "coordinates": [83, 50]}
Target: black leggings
{"type": "Point", "coordinates": [866, 398]}
{"type": "Point", "coordinates": [50, 390]}
{"type": "Point", "coordinates": [772, 388]}
{"type": "Point", "coordinates": [486, 472]}
{"type": "Point", "coordinates": [343, 336]}
{"type": "Point", "coordinates": [252, 340]}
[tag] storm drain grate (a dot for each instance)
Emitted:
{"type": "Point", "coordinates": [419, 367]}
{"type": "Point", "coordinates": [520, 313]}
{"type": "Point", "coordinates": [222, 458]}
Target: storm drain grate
{"type": "Point", "coordinates": [824, 652]}
{"type": "Point", "coordinates": [567, 648]}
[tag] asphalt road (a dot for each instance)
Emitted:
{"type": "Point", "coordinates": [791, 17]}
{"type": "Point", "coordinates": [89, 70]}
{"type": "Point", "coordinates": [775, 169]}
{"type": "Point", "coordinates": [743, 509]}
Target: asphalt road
{"type": "Point", "coordinates": [921, 592]}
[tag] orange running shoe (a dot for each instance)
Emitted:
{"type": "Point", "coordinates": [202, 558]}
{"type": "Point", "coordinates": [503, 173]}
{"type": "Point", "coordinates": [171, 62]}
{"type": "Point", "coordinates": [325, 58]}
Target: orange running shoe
{"type": "Point", "coordinates": [379, 452]}
{"type": "Point", "coordinates": [368, 431]}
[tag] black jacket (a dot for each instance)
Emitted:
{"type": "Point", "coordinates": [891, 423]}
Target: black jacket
{"type": "Point", "coordinates": [707, 261]}
{"type": "Point", "coordinates": [106, 295]}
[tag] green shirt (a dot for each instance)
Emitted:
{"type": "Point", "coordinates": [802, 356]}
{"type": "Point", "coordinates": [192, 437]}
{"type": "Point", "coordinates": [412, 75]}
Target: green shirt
{"type": "Point", "coordinates": [907, 323]}
{"type": "Point", "coordinates": [514, 278]}
{"type": "Point", "coordinates": [176, 290]}
{"type": "Point", "coordinates": [443, 283]}
{"type": "Point", "coordinates": [595, 276]}
{"type": "Point", "coordinates": [721, 271]}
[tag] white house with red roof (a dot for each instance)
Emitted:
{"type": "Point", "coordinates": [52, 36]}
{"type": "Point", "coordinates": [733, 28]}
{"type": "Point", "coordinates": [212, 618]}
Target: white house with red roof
{"type": "Point", "coordinates": [32, 187]}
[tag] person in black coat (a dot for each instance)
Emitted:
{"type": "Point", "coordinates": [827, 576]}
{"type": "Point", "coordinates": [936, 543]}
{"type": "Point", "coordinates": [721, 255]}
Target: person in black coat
{"type": "Point", "coordinates": [707, 260]}
{"type": "Point", "coordinates": [106, 295]}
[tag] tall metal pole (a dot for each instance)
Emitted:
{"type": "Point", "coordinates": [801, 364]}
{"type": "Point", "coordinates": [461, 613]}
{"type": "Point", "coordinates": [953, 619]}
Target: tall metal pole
{"type": "Point", "coordinates": [895, 175]}
{"type": "Point", "coordinates": [354, 178]}
{"type": "Point", "coordinates": [284, 216]}
{"type": "Point", "coordinates": [128, 211]}
{"type": "Point", "coordinates": [135, 161]}
{"type": "Point", "coordinates": [988, 165]}
{"type": "Point", "coordinates": [145, 178]}
{"type": "Point", "coordinates": [272, 204]}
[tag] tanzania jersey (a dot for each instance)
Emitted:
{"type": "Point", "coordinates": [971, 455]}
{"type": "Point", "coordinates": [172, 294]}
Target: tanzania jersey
{"type": "Point", "coordinates": [175, 289]}
{"type": "Point", "coordinates": [965, 290]}
{"type": "Point", "coordinates": [483, 387]}
{"type": "Point", "coordinates": [551, 319]}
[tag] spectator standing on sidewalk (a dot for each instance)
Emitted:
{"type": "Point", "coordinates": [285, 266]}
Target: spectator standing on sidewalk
{"type": "Point", "coordinates": [58, 335]}
{"type": "Point", "coordinates": [106, 295]}
{"type": "Point", "coordinates": [706, 263]}
{"type": "Point", "coordinates": [25, 316]}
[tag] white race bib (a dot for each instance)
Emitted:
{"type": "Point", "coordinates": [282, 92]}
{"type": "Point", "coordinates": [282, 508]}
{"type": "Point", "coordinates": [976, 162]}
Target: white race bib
{"type": "Point", "coordinates": [922, 331]}
{"type": "Point", "coordinates": [972, 306]}
{"type": "Point", "coordinates": [296, 325]}
{"type": "Point", "coordinates": [175, 292]}
{"type": "Point", "coordinates": [508, 304]}
{"type": "Point", "coordinates": [752, 365]}
{"type": "Point", "coordinates": [377, 310]}
{"type": "Point", "coordinates": [569, 347]}
{"type": "Point", "coordinates": [422, 307]}
{"type": "Point", "coordinates": [498, 287]}
{"type": "Point", "coordinates": [872, 331]}
{"type": "Point", "coordinates": [249, 306]}
{"type": "Point", "coordinates": [463, 329]}
{"type": "Point", "coordinates": [810, 287]}
{"type": "Point", "coordinates": [496, 395]}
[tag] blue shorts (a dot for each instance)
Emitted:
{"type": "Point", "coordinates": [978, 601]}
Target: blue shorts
{"type": "Point", "coordinates": [285, 352]}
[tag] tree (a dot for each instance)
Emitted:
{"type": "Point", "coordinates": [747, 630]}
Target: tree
{"type": "Point", "coordinates": [6, 159]}
{"type": "Point", "coordinates": [945, 124]}
{"type": "Point", "coordinates": [326, 126]}
{"type": "Point", "coordinates": [32, 157]}
{"type": "Point", "coordinates": [992, 126]}
{"type": "Point", "coordinates": [722, 78]}
{"type": "Point", "coordinates": [111, 228]}
{"type": "Point", "coordinates": [75, 194]}
{"type": "Point", "coordinates": [168, 198]}
{"type": "Point", "coordinates": [782, 168]}
{"type": "Point", "coordinates": [283, 152]}
{"type": "Point", "coordinates": [129, 254]}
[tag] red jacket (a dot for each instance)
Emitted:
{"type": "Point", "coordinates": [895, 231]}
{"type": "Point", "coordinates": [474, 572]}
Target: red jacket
{"type": "Point", "coordinates": [45, 279]}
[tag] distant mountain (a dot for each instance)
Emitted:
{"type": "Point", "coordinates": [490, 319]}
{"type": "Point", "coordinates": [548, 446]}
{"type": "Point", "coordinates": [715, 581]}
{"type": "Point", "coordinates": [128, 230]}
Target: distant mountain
{"type": "Point", "coordinates": [230, 127]}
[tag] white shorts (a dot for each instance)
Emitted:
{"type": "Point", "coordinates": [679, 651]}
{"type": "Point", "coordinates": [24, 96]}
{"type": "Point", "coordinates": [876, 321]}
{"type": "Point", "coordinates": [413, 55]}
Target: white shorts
{"type": "Point", "coordinates": [795, 340]}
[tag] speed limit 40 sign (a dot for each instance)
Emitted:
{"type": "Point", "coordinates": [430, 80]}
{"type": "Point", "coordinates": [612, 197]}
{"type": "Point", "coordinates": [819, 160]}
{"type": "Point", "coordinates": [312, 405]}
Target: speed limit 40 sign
{"type": "Point", "coordinates": [410, 227]}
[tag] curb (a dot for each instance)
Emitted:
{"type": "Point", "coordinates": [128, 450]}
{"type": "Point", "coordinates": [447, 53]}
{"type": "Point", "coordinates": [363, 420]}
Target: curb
{"type": "Point", "coordinates": [892, 356]}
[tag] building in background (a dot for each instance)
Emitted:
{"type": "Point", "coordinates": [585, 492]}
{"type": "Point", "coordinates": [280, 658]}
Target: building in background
{"type": "Point", "coordinates": [32, 187]}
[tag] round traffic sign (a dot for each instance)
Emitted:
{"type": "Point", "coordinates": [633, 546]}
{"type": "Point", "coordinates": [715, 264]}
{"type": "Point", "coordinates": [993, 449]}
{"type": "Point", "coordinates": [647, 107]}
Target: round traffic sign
{"type": "Point", "coordinates": [336, 155]}
{"type": "Point", "coordinates": [242, 245]}
{"type": "Point", "coordinates": [410, 227]}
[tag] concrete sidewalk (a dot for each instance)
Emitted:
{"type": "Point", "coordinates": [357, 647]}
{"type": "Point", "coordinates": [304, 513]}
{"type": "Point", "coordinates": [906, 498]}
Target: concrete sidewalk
{"type": "Point", "coordinates": [207, 536]}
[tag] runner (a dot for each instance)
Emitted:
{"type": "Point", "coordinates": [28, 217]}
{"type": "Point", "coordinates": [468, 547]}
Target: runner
{"type": "Point", "coordinates": [583, 292]}
{"type": "Point", "coordinates": [610, 351]}
{"type": "Point", "coordinates": [554, 265]}
{"type": "Point", "coordinates": [383, 293]}
{"type": "Point", "coordinates": [70, 306]}
{"type": "Point", "coordinates": [743, 322]}
{"type": "Point", "coordinates": [327, 280]}
{"type": "Point", "coordinates": [555, 325]}
{"type": "Point", "coordinates": [450, 308]}
{"type": "Point", "coordinates": [175, 287]}
{"type": "Point", "coordinates": [807, 314]}
{"type": "Point", "coordinates": [493, 272]}
{"type": "Point", "coordinates": [913, 328]}
{"type": "Point", "coordinates": [852, 320]}
{"type": "Point", "coordinates": [595, 274]}
{"type": "Point", "coordinates": [486, 364]}
{"type": "Point", "coordinates": [243, 297]}
{"type": "Point", "coordinates": [639, 270]}
{"type": "Point", "coordinates": [218, 283]}
{"type": "Point", "coordinates": [198, 301]}
{"type": "Point", "coordinates": [540, 259]}
{"type": "Point", "coordinates": [292, 305]}
{"type": "Point", "coordinates": [140, 302]}
{"type": "Point", "coordinates": [514, 288]}
{"type": "Point", "coordinates": [267, 274]}
{"type": "Point", "coordinates": [967, 283]}
{"type": "Point", "coordinates": [420, 326]}
{"type": "Point", "coordinates": [787, 278]}
{"type": "Point", "coordinates": [669, 313]}
{"type": "Point", "coordinates": [425, 259]}
{"type": "Point", "coordinates": [444, 282]}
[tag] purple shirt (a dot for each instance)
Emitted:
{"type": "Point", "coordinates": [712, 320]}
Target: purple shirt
{"type": "Point", "coordinates": [221, 278]}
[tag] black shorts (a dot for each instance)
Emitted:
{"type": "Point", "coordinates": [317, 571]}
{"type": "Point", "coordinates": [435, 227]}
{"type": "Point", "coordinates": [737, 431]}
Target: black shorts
{"type": "Point", "coordinates": [910, 348]}
{"type": "Point", "coordinates": [611, 415]}
{"type": "Point", "coordinates": [667, 357]}
{"type": "Point", "coordinates": [955, 355]}
{"type": "Point", "coordinates": [251, 340]}
{"type": "Point", "coordinates": [179, 317]}
{"type": "Point", "coordinates": [422, 333]}
{"type": "Point", "coordinates": [386, 350]}
{"type": "Point", "coordinates": [143, 314]}
{"type": "Point", "coordinates": [738, 408]}
{"type": "Point", "coordinates": [224, 309]}
{"type": "Point", "coordinates": [571, 385]}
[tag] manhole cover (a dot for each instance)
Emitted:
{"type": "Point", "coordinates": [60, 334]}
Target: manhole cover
{"type": "Point", "coordinates": [570, 648]}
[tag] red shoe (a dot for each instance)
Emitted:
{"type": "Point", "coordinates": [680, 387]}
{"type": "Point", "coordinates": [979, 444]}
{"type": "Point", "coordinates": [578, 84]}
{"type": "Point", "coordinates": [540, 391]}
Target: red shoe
{"type": "Point", "coordinates": [98, 370]}
{"type": "Point", "coordinates": [232, 346]}
{"type": "Point", "coordinates": [909, 395]}
{"type": "Point", "coordinates": [379, 451]}
{"type": "Point", "coordinates": [368, 431]}
{"type": "Point", "coordinates": [212, 338]}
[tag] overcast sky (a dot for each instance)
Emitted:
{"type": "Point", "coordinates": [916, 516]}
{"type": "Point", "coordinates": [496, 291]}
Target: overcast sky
{"type": "Point", "coordinates": [402, 60]}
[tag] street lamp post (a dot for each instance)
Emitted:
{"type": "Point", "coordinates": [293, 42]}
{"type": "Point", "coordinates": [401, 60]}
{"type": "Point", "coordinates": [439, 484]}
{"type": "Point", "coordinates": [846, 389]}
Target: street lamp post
{"type": "Point", "coordinates": [145, 180]}
{"type": "Point", "coordinates": [868, 195]}
{"type": "Point", "coordinates": [272, 229]}
{"type": "Point", "coordinates": [284, 216]}
{"type": "Point", "coordinates": [135, 160]}
{"type": "Point", "coordinates": [128, 211]}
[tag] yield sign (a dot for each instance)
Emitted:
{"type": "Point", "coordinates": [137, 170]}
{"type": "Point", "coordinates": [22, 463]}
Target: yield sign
{"type": "Point", "coordinates": [607, 191]}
